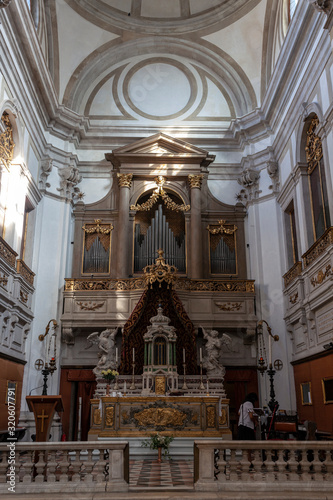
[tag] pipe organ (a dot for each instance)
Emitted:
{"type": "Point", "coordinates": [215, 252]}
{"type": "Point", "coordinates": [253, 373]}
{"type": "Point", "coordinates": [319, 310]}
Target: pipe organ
{"type": "Point", "coordinates": [159, 235]}
{"type": "Point", "coordinates": [223, 257]}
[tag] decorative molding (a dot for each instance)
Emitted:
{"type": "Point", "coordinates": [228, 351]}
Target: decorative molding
{"type": "Point", "coordinates": [318, 248]}
{"type": "Point", "coordinates": [222, 228]}
{"type": "Point", "coordinates": [321, 276]}
{"type": "Point", "coordinates": [314, 148]}
{"type": "Point", "coordinates": [46, 166]}
{"type": "Point", "coordinates": [229, 306]}
{"type": "Point", "coordinates": [6, 142]}
{"type": "Point", "coordinates": [70, 177]}
{"type": "Point", "coordinates": [293, 272]}
{"type": "Point", "coordinates": [125, 180]}
{"type": "Point", "coordinates": [184, 284]}
{"type": "Point", "coordinates": [90, 306]}
{"type": "Point", "coordinates": [159, 192]}
{"type": "Point", "coordinates": [7, 253]}
{"type": "Point", "coordinates": [160, 271]}
{"type": "Point", "coordinates": [24, 297]}
{"type": "Point", "coordinates": [249, 179]}
{"type": "Point", "coordinates": [293, 298]}
{"type": "Point", "coordinates": [98, 228]}
{"type": "Point", "coordinates": [25, 271]}
{"type": "Point", "coordinates": [273, 172]}
{"type": "Point", "coordinates": [3, 281]}
{"type": "Point", "coordinates": [195, 181]}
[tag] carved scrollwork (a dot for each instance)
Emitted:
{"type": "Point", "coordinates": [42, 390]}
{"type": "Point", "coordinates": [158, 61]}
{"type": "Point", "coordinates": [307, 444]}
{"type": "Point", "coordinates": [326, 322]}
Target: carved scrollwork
{"type": "Point", "coordinates": [321, 276]}
{"type": "Point", "coordinates": [6, 142]}
{"type": "Point", "coordinates": [90, 306]}
{"type": "Point", "coordinates": [98, 228]}
{"type": "Point", "coordinates": [160, 193]}
{"type": "Point", "coordinates": [210, 416]}
{"type": "Point", "coordinates": [109, 416]}
{"type": "Point", "coordinates": [222, 228]}
{"type": "Point", "coordinates": [195, 181]}
{"type": "Point", "coordinates": [314, 149]}
{"type": "Point", "coordinates": [166, 417]}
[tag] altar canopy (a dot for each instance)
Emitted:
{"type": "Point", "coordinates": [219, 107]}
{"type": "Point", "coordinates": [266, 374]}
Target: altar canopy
{"type": "Point", "coordinates": [137, 324]}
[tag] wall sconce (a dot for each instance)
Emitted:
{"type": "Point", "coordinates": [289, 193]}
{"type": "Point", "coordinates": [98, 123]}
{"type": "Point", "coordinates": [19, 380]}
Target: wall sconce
{"type": "Point", "coordinates": [50, 366]}
{"type": "Point", "coordinates": [262, 364]}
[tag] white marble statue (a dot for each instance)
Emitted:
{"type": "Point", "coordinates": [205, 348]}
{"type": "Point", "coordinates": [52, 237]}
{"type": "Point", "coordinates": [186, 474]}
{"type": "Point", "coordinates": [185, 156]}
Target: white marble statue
{"type": "Point", "coordinates": [106, 341]}
{"type": "Point", "coordinates": [211, 360]}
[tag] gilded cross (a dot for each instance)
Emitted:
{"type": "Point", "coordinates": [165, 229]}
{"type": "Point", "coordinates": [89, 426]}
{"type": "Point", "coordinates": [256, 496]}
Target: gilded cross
{"type": "Point", "coordinates": [42, 416]}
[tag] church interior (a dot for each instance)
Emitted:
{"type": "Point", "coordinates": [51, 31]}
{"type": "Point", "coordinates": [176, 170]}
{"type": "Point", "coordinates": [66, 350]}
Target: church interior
{"type": "Point", "coordinates": [165, 214]}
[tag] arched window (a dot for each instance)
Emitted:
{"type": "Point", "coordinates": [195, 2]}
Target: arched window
{"type": "Point", "coordinates": [160, 351]}
{"type": "Point", "coordinates": [317, 181]}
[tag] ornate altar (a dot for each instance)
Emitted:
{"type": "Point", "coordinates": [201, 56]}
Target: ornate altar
{"type": "Point", "coordinates": [185, 416]}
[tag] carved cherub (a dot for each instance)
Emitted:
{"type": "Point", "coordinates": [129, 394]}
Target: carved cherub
{"type": "Point", "coordinates": [107, 346]}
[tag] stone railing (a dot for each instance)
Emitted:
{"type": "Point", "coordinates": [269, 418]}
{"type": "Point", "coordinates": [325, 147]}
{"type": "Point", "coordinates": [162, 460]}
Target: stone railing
{"type": "Point", "coordinates": [293, 272]}
{"type": "Point", "coordinates": [84, 284]}
{"type": "Point", "coordinates": [24, 271]}
{"type": "Point", "coordinates": [264, 466]}
{"type": "Point", "coordinates": [7, 253]}
{"type": "Point", "coordinates": [318, 247]}
{"type": "Point", "coordinates": [65, 467]}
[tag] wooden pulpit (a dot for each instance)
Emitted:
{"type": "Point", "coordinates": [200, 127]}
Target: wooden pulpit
{"type": "Point", "coordinates": [43, 408]}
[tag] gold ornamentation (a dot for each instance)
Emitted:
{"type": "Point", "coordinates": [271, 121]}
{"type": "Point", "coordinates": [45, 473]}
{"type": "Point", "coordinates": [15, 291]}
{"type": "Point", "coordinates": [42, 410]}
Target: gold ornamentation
{"type": "Point", "coordinates": [24, 297]}
{"type": "Point", "coordinates": [7, 253]}
{"type": "Point", "coordinates": [195, 419]}
{"type": "Point", "coordinates": [223, 417]}
{"type": "Point", "coordinates": [222, 228]}
{"type": "Point", "coordinates": [160, 385]}
{"type": "Point", "coordinates": [97, 419]}
{"type": "Point", "coordinates": [25, 272]}
{"type": "Point", "coordinates": [109, 416]}
{"type": "Point", "coordinates": [230, 306]}
{"type": "Point", "coordinates": [125, 416]}
{"type": "Point", "coordinates": [319, 247]}
{"type": "Point", "coordinates": [295, 271]}
{"type": "Point", "coordinates": [195, 180]}
{"type": "Point", "coordinates": [125, 180]}
{"type": "Point", "coordinates": [104, 229]}
{"type": "Point", "coordinates": [159, 192]}
{"type": "Point", "coordinates": [160, 271]}
{"type": "Point", "coordinates": [210, 416]}
{"type": "Point", "coordinates": [3, 281]}
{"type": "Point", "coordinates": [321, 276]}
{"type": "Point", "coordinates": [293, 298]}
{"type": "Point", "coordinates": [166, 417]}
{"type": "Point", "coordinates": [92, 285]}
{"type": "Point", "coordinates": [6, 142]}
{"type": "Point", "coordinates": [90, 306]}
{"type": "Point", "coordinates": [314, 149]}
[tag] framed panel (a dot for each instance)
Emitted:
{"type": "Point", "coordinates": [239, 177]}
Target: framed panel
{"type": "Point", "coordinates": [11, 392]}
{"type": "Point", "coordinates": [96, 252]}
{"type": "Point", "coordinates": [306, 393]}
{"type": "Point", "coordinates": [327, 384]}
{"type": "Point", "coordinates": [222, 249]}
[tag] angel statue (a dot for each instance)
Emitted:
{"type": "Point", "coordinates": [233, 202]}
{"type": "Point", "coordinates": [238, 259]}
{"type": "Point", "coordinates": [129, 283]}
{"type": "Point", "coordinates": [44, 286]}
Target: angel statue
{"type": "Point", "coordinates": [106, 341]}
{"type": "Point", "coordinates": [211, 360]}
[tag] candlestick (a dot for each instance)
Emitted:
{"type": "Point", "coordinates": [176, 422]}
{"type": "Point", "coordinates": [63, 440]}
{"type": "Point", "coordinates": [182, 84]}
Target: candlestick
{"type": "Point", "coordinates": [132, 386]}
{"type": "Point", "coordinates": [269, 351]}
{"type": "Point", "coordinates": [201, 386]}
{"type": "Point", "coordinates": [200, 354]}
{"type": "Point", "coordinates": [207, 388]}
{"type": "Point", "coordinates": [125, 387]}
{"type": "Point", "coordinates": [184, 384]}
{"type": "Point", "coordinates": [133, 354]}
{"type": "Point", "coordinates": [183, 355]}
{"type": "Point", "coordinates": [116, 357]}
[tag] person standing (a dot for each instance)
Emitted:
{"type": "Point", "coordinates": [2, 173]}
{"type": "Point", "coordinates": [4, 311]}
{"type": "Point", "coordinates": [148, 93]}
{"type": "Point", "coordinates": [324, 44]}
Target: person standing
{"type": "Point", "coordinates": [247, 419]}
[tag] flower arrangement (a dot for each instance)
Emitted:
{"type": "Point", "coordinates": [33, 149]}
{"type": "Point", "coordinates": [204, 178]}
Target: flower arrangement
{"type": "Point", "coordinates": [109, 374]}
{"type": "Point", "coordinates": [157, 441]}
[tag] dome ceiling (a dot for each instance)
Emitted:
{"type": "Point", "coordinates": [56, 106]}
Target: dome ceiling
{"type": "Point", "coordinates": [162, 17]}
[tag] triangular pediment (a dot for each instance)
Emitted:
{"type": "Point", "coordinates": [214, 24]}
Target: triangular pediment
{"type": "Point", "coordinates": [160, 144]}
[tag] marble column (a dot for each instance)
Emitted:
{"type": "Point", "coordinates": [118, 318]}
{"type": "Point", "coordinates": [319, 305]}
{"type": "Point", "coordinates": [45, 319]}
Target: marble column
{"type": "Point", "coordinates": [123, 240]}
{"type": "Point", "coordinates": [196, 230]}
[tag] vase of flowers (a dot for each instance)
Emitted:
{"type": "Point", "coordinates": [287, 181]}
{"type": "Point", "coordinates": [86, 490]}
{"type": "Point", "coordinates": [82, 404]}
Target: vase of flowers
{"type": "Point", "coordinates": [158, 442]}
{"type": "Point", "coordinates": [109, 375]}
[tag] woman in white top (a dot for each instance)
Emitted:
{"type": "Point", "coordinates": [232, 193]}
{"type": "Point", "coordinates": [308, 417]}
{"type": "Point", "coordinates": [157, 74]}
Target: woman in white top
{"type": "Point", "coordinates": [246, 421]}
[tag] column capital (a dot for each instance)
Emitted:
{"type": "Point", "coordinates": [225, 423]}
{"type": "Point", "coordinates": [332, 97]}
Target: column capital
{"type": "Point", "coordinates": [125, 180]}
{"type": "Point", "coordinates": [195, 180]}
{"type": "Point", "coordinates": [322, 5]}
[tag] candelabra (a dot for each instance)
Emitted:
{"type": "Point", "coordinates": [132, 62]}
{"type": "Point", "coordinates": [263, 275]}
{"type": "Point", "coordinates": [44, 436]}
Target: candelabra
{"type": "Point", "coordinates": [262, 365]}
{"type": "Point", "coordinates": [184, 384]}
{"type": "Point", "coordinates": [201, 387]}
{"type": "Point", "coordinates": [132, 387]}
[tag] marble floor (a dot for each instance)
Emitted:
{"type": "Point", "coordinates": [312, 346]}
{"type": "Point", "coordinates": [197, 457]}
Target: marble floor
{"type": "Point", "coordinates": [149, 473]}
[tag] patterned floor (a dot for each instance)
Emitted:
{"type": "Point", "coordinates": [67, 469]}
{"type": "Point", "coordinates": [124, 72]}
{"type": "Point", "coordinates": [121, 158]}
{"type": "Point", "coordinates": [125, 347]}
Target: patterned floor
{"type": "Point", "coordinates": [168, 473]}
